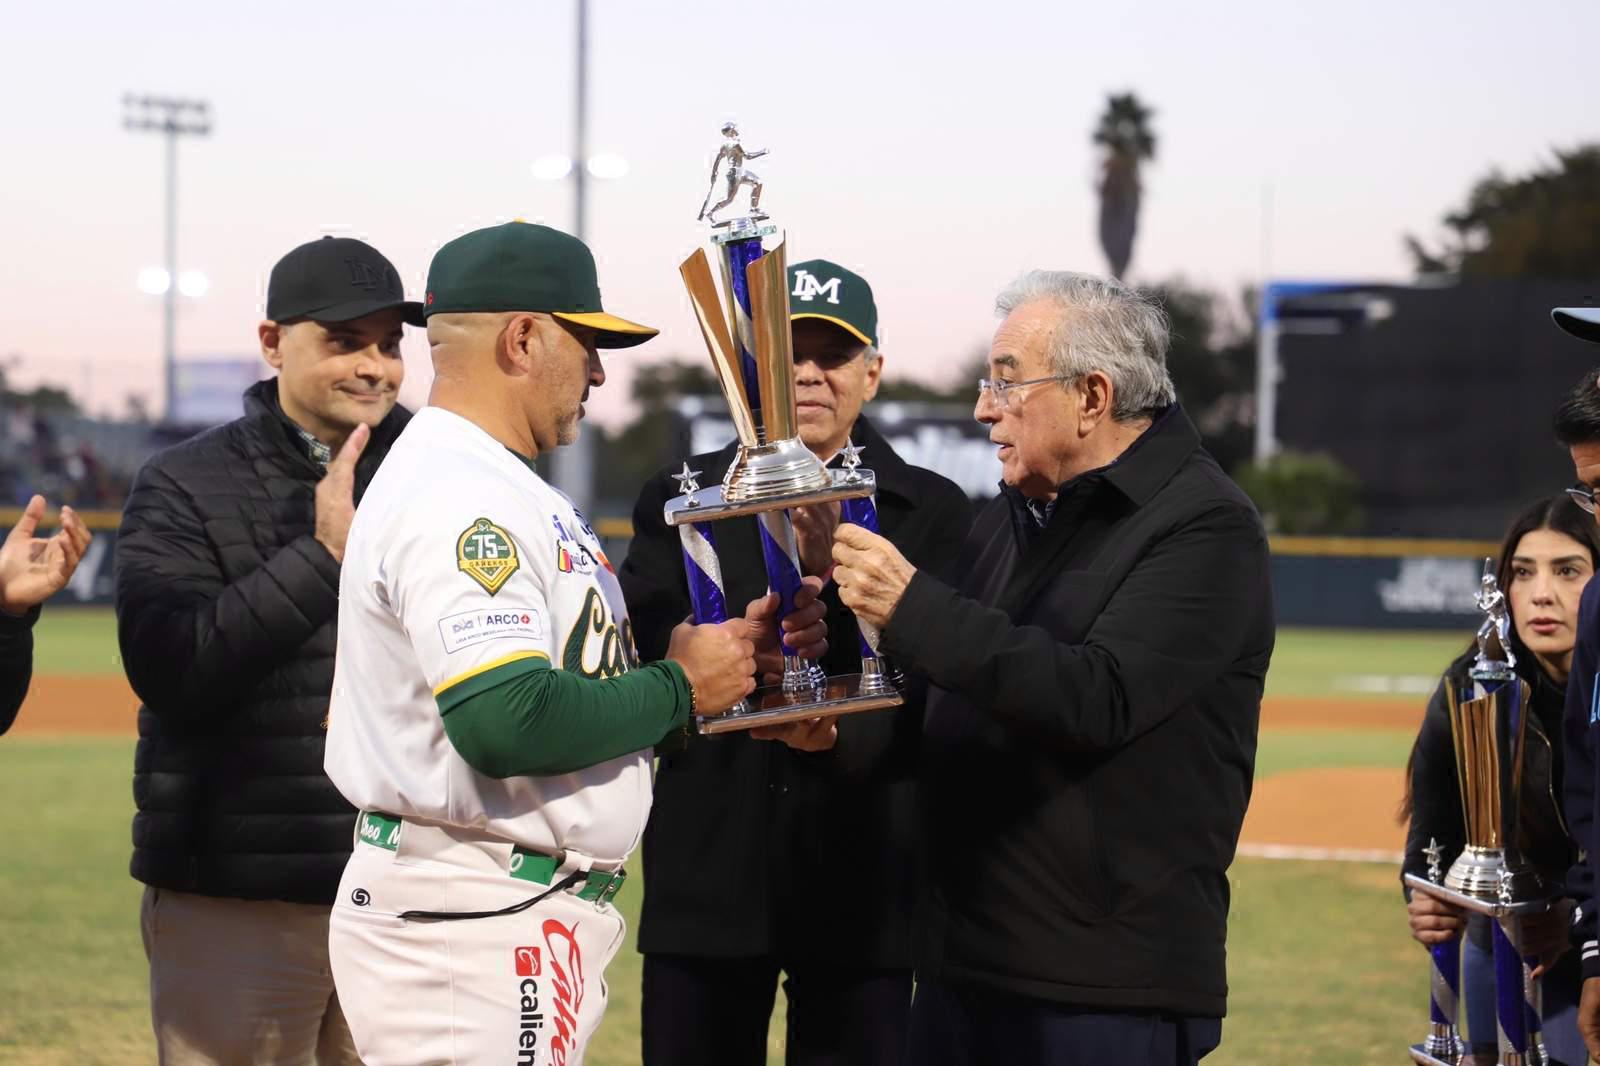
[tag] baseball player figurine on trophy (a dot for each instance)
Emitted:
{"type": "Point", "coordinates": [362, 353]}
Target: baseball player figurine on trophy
{"type": "Point", "coordinates": [735, 176]}
{"type": "Point", "coordinates": [1488, 724]}
{"type": "Point", "coordinates": [751, 350]}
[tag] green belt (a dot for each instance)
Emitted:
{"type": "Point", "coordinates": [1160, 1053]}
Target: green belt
{"type": "Point", "coordinates": [383, 831]}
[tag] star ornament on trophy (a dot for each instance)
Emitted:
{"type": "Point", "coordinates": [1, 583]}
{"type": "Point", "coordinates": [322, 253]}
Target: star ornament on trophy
{"type": "Point", "coordinates": [749, 342]}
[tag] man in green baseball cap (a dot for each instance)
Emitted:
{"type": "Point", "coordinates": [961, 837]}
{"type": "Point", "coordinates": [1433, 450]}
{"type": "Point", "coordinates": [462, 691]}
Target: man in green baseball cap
{"type": "Point", "coordinates": [491, 718]}
{"type": "Point", "coordinates": [834, 322]}
{"type": "Point", "coordinates": [521, 301]}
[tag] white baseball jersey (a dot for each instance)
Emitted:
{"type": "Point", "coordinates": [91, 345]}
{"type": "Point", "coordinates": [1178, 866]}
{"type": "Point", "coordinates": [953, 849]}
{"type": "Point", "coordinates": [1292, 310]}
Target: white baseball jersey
{"type": "Point", "coordinates": [462, 559]}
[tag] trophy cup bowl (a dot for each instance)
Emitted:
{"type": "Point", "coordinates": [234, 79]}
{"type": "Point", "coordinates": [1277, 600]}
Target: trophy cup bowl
{"type": "Point", "coordinates": [774, 470]}
{"type": "Point", "coordinates": [1489, 727]}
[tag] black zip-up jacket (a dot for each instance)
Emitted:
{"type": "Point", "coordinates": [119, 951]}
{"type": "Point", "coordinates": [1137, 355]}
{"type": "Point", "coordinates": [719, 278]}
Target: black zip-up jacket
{"type": "Point", "coordinates": [1580, 776]}
{"type": "Point", "coordinates": [1436, 793]}
{"type": "Point", "coordinates": [16, 663]}
{"type": "Point", "coordinates": [1090, 738]}
{"type": "Point", "coordinates": [226, 606]}
{"type": "Point", "coordinates": [750, 842]}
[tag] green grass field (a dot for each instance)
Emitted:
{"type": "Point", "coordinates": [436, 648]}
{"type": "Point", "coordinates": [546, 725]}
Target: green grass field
{"type": "Point", "coordinates": [1321, 969]}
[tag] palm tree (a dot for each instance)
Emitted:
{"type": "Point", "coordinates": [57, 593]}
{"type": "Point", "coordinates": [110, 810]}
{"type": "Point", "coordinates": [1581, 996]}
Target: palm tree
{"type": "Point", "coordinates": [1124, 132]}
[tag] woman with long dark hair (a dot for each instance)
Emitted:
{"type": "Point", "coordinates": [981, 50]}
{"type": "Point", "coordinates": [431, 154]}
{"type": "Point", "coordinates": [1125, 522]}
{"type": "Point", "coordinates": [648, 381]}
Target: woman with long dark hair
{"type": "Point", "coordinates": [1549, 555]}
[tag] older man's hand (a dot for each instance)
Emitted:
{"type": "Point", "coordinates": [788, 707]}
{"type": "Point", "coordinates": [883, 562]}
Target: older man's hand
{"type": "Point", "coordinates": [871, 573]}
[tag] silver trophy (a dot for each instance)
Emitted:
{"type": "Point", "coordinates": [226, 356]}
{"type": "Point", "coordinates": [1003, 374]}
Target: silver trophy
{"type": "Point", "coordinates": [1488, 725]}
{"type": "Point", "coordinates": [749, 341]}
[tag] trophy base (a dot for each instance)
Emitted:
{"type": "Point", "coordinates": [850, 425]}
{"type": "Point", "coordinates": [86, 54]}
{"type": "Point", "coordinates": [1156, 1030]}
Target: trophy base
{"type": "Point", "coordinates": [843, 694]}
{"type": "Point", "coordinates": [709, 504]}
{"type": "Point", "coordinates": [1536, 904]}
{"type": "Point", "coordinates": [1506, 1058]}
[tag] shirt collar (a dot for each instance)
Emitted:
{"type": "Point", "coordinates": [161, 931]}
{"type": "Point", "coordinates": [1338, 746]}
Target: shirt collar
{"type": "Point", "coordinates": [317, 451]}
{"type": "Point", "coordinates": [1149, 462]}
{"type": "Point", "coordinates": [1142, 468]}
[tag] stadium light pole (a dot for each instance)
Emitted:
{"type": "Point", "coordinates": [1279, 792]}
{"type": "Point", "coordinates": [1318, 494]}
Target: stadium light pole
{"type": "Point", "coordinates": [572, 468]}
{"type": "Point", "coordinates": [174, 118]}
{"type": "Point", "coordinates": [580, 126]}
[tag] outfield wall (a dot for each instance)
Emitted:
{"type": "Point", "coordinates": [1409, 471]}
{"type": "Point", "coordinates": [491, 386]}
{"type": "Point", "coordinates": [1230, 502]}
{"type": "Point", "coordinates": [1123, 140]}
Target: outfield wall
{"type": "Point", "coordinates": [1350, 582]}
{"type": "Point", "coordinates": [1377, 583]}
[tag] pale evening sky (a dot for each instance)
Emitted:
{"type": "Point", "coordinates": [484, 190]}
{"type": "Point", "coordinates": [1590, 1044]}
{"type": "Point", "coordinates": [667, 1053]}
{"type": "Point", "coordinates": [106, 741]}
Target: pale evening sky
{"type": "Point", "coordinates": [939, 149]}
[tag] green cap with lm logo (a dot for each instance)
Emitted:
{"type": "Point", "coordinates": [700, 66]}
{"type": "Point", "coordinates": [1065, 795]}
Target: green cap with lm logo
{"type": "Point", "coordinates": [522, 267]}
{"type": "Point", "coordinates": [824, 290]}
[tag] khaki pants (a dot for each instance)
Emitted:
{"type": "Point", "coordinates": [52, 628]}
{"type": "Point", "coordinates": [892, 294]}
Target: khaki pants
{"type": "Point", "coordinates": [237, 982]}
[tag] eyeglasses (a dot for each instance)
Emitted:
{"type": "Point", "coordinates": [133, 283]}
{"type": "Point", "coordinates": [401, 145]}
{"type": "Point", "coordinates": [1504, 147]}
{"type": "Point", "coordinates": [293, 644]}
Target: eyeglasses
{"type": "Point", "coordinates": [1583, 496]}
{"type": "Point", "coordinates": [1000, 390]}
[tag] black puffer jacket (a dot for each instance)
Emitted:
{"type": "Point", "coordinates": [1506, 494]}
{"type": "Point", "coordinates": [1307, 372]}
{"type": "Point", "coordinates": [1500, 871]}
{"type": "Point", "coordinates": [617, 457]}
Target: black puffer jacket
{"type": "Point", "coordinates": [226, 605]}
{"type": "Point", "coordinates": [16, 663]}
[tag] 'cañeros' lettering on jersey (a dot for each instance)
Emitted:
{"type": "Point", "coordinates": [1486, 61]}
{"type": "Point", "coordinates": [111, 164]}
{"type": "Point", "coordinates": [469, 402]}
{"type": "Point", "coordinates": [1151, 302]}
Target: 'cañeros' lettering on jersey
{"type": "Point", "coordinates": [611, 655]}
{"type": "Point", "coordinates": [486, 553]}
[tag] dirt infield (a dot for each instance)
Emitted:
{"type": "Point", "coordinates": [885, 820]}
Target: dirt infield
{"type": "Point", "coordinates": [1325, 712]}
{"type": "Point", "coordinates": [100, 706]}
{"type": "Point", "coordinates": [107, 706]}
{"type": "Point", "coordinates": [1351, 807]}
{"type": "Point", "coordinates": [1346, 808]}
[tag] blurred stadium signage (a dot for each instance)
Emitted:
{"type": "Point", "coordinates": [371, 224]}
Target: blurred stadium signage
{"type": "Point", "coordinates": [1377, 583]}
{"type": "Point", "coordinates": [210, 390]}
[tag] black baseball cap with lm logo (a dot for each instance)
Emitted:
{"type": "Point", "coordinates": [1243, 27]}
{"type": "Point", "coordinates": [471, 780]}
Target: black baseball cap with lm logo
{"type": "Point", "coordinates": [336, 279]}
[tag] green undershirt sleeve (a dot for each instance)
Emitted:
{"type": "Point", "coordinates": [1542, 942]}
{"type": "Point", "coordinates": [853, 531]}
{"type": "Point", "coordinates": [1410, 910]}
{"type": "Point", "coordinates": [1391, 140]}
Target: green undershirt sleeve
{"type": "Point", "coordinates": [524, 718]}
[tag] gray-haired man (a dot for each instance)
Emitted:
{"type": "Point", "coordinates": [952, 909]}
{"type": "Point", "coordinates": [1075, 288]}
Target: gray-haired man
{"type": "Point", "coordinates": [1090, 736]}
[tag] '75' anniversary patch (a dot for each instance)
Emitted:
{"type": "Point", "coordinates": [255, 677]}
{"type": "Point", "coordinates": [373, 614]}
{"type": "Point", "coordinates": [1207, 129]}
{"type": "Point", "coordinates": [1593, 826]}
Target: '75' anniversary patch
{"type": "Point", "coordinates": [486, 553]}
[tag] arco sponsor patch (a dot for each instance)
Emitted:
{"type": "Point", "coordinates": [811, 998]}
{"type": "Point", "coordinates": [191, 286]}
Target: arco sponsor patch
{"type": "Point", "coordinates": [490, 623]}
